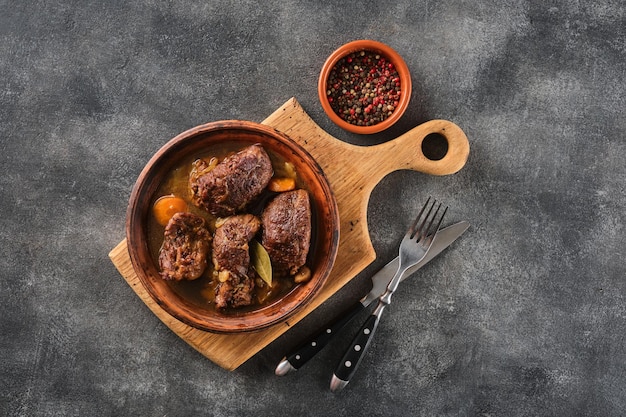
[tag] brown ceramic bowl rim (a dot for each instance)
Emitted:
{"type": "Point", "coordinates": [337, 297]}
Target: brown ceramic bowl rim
{"type": "Point", "coordinates": [143, 194]}
{"type": "Point", "coordinates": [374, 46]}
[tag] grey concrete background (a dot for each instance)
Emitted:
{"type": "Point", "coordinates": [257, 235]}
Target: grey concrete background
{"type": "Point", "coordinates": [523, 316]}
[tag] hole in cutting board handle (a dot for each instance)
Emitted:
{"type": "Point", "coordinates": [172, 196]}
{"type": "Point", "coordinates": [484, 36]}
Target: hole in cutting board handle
{"type": "Point", "coordinates": [435, 146]}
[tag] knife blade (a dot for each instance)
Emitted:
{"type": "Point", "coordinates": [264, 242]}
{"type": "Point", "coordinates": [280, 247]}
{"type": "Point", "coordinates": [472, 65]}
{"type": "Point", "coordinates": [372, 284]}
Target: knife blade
{"type": "Point", "coordinates": [303, 353]}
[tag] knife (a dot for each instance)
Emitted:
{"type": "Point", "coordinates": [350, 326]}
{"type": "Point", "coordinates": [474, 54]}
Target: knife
{"type": "Point", "coordinates": [301, 355]}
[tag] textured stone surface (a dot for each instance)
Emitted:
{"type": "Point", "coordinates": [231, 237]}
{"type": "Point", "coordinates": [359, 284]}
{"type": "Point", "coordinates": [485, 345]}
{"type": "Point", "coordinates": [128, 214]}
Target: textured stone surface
{"type": "Point", "coordinates": [523, 316]}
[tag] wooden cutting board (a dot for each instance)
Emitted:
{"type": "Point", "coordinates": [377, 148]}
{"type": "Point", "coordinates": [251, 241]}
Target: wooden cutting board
{"type": "Point", "coordinates": [353, 172]}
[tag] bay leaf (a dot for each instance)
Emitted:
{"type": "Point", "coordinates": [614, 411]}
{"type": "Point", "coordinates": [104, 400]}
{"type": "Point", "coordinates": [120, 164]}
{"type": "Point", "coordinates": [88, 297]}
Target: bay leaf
{"type": "Point", "coordinates": [261, 261]}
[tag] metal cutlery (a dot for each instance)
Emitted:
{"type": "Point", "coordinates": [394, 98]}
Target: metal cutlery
{"type": "Point", "coordinates": [413, 248]}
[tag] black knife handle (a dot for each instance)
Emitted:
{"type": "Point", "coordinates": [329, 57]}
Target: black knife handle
{"type": "Point", "coordinates": [353, 356]}
{"type": "Point", "coordinates": [306, 351]}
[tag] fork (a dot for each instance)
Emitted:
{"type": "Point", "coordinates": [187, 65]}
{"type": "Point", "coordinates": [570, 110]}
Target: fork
{"type": "Point", "coordinates": [413, 248]}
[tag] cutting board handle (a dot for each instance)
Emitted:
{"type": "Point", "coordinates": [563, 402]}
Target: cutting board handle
{"type": "Point", "coordinates": [407, 150]}
{"type": "Point", "coordinates": [354, 170]}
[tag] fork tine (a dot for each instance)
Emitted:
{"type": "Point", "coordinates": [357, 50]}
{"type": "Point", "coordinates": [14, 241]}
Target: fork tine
{"type": "Point", "coordinates": [412, 230]}
{"type": "Point", "coordinates": [429, 233]}
{"type": "Point", "coordinates": [419, 235]}
{"type": "Point", "coordinates": [420, 229]}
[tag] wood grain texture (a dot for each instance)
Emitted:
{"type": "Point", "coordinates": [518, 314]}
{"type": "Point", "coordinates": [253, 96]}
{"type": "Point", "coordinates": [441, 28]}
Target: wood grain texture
{"type": "Point", "coordinates": [353, 172]}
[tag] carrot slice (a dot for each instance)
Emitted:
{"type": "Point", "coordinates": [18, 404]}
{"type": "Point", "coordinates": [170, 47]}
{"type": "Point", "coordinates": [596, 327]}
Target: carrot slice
{"type": "Point", "coordinates": [165, 207]}
{"type": "Point", "coordinates": [280, 185]}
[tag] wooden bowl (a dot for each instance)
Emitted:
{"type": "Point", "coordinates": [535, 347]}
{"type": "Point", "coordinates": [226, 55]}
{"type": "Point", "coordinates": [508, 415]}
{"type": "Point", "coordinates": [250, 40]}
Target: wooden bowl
{"type": "Point", "coordinates": [383, 50]}
{"type": "Point", "coordinates": [192, 143]}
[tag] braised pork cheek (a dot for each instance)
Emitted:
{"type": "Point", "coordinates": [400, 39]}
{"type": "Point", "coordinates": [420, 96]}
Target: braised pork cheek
{"type": "Point", "coordinates": [186, 244]}
{"type": "Point", "coordinates": [231, 258]}
{"type": "Point", "coordinates": [287, 230]}
{"type": "Point", "coordinates": [233, 183]}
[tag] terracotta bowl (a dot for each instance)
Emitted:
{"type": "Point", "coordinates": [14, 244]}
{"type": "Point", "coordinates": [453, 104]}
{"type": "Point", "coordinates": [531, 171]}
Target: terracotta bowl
{"type": "Point", "coordinates": [383, 50]}
{"type": "Point", "coordinates": [187, 145]}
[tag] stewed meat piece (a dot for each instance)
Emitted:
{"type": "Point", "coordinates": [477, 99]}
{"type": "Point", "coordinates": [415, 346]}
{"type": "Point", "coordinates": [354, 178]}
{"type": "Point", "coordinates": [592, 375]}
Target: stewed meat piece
{"type": "Point", "coordinates": [231, 258]}
{"type": "Point", "coordinates": [185, 249]}
{"type": "Point", "coordinates": [233, 183]}
{"type": "Point", "coordinates": [230, 244]}
{"type": "Point", "coordinates": [287, 230]}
